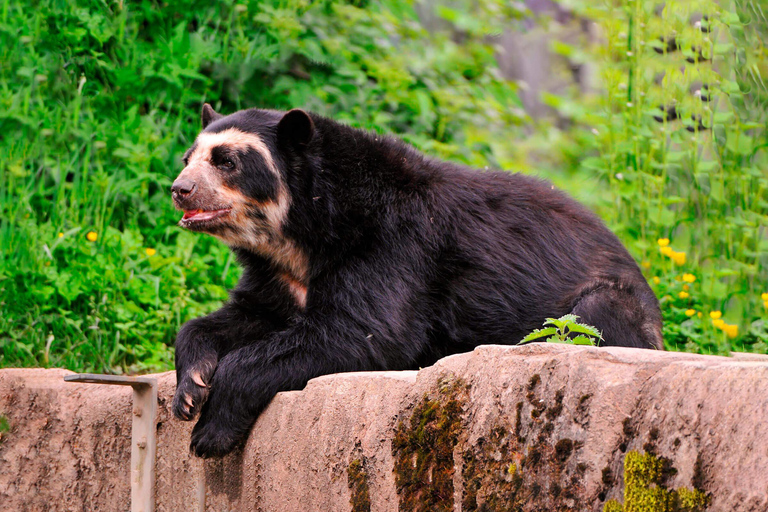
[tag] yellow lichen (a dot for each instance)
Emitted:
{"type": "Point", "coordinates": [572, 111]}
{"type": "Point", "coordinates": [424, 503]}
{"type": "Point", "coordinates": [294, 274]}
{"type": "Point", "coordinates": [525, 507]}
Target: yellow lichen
{"type": "Point", "coordinates": [644, 490]}
{"type": "Point", "coordinates": [688, 500]}
{"type": "Point", "coordinates": [640, 472]}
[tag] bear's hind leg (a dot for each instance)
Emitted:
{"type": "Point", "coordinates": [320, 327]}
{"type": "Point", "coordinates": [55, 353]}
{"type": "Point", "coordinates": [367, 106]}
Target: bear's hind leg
{"type": "Point", "coordinates": [626, 316]}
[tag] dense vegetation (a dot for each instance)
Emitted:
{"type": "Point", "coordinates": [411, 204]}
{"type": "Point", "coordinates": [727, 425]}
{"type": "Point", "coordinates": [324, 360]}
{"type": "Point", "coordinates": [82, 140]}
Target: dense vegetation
{"type": "Point", "coordinates": [99, 99]}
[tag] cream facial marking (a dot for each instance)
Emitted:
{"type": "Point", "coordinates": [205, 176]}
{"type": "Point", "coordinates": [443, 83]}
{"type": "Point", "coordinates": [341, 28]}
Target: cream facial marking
{"type": "Point", "coordinates": [235, 139]}
{"type": "Point", "coordinates": [263, 236]}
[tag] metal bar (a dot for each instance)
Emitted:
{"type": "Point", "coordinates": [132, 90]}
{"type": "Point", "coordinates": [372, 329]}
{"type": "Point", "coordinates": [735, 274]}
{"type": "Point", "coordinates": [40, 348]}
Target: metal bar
{"type": "Point", "coordinates": [119, 380]}
{"type": "Point", "coordinates": [143, 433]}
{"type": "Point", "coordinates": [201, 488]}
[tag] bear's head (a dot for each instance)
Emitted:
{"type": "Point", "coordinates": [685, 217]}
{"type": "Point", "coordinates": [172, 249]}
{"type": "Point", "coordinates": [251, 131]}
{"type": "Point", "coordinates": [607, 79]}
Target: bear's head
{"type": "Point", "coordinates": [233, 184]}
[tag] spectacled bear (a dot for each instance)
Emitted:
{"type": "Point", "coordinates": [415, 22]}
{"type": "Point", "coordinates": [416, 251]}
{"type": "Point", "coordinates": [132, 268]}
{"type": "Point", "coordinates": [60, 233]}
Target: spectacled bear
{"type": "Point", "coordinates": [360, 253]}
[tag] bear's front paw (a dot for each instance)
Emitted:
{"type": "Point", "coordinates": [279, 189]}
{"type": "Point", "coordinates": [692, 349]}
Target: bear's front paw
{"type": "Point", "coordinates": [212, 439]}
{"type": "Point", "coordinates": [192, 391]}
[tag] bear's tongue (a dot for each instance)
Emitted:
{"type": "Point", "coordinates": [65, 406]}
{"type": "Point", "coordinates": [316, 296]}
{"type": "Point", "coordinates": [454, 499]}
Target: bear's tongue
{"type": "Point", "coordinates": [200, 214]}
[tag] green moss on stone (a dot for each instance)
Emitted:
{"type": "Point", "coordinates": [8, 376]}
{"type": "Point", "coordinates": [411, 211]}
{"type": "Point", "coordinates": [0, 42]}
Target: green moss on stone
{"type": "Point", "coordinates": [692, 501]}
{"type": "Point", "coordinates": [557, 408]}
{"type": "Point", "coordinates": [357, 479]}
{"type": "Point", "coordinates": [492, 473]}
{"type": "Point", "coordinates": [423, 451]}
{"type": "Point", "coordinates": [645, 476]}
{"type": "Point", "coordinates": [519, 422]}
{"type": "Point", "coordinates": [514, 467]}
{"type": "Point", "coordinates": [563, 450]}
{"type": "Point", "coordinates": [525, 467]}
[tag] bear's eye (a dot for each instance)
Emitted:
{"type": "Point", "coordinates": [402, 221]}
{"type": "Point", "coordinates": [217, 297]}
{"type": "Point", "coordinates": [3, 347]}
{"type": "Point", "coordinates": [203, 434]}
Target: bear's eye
{"type": "Point", "coordinates": [227, 164]}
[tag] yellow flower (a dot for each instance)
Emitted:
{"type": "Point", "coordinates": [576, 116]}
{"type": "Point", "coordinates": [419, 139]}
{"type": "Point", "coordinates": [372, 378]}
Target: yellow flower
{"type": "Point", "coordinates": [686, 287]}
{"type": "Point", "coordinates": [663, 242]}
{"type": "Point", "coordinates": [61, 235]}
{"type": "Point", "coordinates": [764, 296]}
{"type": "Point", "coordinates": [647, 264]}
{"type": "Point", "coordinates": [690, 312]}
{"type": "Point", "coordinates": [719, 323]}
{"type": "Point", "coordinates": [765, 304]}
{"type": "Point", "coordinates": [150, 251]}
{"type": "Point", "coordinates": [715, 314]}
{"type": "Point", "coordinates": [683, 295]}
{"type": "Point", "coordinates": [92, 236]}
{"type": "Point", "coordinates": [699, 314]}
{"type": "Point", "coordinates": [689, 278]}
{"type": "Point", "coordinates": [656, 280]}
{"type": "Point", "coordinates": [678, 257]}
{"type": "Point", "coordinates": [731, 330]}
{"type": "Point", "coordinates": [666, 250]}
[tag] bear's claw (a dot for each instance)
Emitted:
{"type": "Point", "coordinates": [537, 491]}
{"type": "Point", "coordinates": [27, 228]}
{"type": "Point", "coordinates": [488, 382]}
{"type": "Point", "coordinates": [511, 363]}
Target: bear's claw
{"type": "Point", "coordinates": [191, 394]}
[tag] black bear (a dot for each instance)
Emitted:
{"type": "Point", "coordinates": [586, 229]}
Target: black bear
{"type": "Point", "coordinates": [360, 253]}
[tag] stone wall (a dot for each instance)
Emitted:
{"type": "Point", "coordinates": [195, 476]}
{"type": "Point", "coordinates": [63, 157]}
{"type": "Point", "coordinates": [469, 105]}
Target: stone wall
{"type": "Point", "coordinates": [540, 427]}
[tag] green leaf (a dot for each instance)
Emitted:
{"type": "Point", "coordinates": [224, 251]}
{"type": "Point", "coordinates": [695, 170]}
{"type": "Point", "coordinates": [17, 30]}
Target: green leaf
{"type": "Point", "coordinates": [539, 333]}
{"type": "Point", "coordinates": [585, 329]}
{"type": "Point", "coordinates": [723, 117]}
{"type": "Point", "coordinates": [583, 340]}
{"type": "Point", "coordinates": [562, 321]}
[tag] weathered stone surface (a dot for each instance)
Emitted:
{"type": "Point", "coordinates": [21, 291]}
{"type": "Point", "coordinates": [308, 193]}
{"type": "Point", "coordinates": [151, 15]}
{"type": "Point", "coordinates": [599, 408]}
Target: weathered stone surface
{"type": "Point", "coordinates": [541, 427]}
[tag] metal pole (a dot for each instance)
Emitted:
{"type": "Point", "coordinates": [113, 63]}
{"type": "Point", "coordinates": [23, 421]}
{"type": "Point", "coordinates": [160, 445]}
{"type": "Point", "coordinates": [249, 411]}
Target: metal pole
{"type": "Point", "coordinates": [143, 433]}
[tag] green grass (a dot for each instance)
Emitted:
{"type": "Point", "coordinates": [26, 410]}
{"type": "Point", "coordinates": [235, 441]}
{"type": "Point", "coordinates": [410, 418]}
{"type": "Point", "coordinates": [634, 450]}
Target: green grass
{"type": "Point", "coordinates": [99, 99]}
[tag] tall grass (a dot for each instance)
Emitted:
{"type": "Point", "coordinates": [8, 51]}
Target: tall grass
{"type": "Point", "coordinates": [671, 149]}
{"type": "Point", "coordinates": [681, 139]}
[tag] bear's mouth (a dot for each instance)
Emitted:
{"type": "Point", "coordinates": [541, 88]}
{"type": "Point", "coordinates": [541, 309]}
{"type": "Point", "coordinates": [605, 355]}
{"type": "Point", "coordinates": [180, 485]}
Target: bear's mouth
{"type": "Point", "coordinates": [199, 216]}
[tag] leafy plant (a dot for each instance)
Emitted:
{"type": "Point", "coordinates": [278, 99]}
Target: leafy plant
{"type": "Point", "coordinates": [562, 330]}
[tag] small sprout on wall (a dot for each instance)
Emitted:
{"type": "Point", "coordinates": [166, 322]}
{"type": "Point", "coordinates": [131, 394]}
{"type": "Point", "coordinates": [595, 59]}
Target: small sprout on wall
{"type": "Point", "coordinates": [562, 329]}
{"type": "Point", "coordinates": [4, 426]}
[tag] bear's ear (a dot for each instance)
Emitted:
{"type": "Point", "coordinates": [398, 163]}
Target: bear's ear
{"type": "Point", "coordinates": [295, 128]}
{"type": "Point", "coordinates": [209, 115]}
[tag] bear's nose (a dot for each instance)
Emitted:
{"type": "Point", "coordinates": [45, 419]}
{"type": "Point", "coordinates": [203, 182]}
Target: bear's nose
{"type": "Point", "coordinates": [182, 188]}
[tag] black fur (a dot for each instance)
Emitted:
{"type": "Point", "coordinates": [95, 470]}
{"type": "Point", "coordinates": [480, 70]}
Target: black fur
{"type": "Point", "coordinates": [410, 259]}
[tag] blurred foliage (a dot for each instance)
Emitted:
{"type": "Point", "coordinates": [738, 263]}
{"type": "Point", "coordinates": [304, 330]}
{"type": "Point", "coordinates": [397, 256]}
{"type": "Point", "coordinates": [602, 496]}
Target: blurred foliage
{"type": "Point", "coordinates": [678, 139]}
{"type": "Point", "coordinates": [99, 99]}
